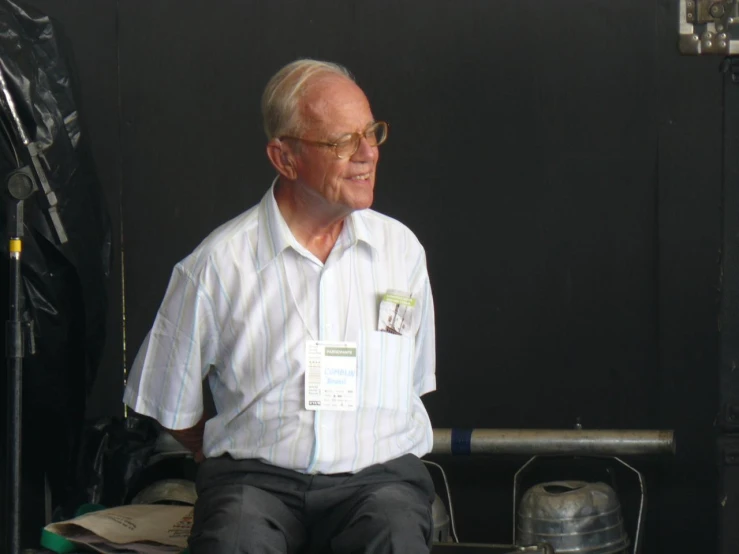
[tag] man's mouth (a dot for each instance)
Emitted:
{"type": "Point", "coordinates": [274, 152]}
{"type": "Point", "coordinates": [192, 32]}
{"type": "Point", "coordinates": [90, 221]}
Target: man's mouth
{"type": "Point", "coordinates": [362, 177]}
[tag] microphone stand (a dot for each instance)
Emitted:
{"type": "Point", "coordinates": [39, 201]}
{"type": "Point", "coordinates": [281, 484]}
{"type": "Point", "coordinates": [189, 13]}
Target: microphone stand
{"type": "Point", "coordinates": [21, 184]}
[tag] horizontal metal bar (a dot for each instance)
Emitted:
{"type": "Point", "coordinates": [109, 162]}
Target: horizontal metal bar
{"type": "Point", "coordinates": [546, 442]}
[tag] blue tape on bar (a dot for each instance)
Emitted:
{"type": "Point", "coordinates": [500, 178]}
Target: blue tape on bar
{"type": "Point", "coordinates": [461, 439]}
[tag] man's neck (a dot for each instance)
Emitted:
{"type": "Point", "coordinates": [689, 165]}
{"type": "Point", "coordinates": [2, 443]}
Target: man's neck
{"type": "Point", "coordinates": [316, 231]}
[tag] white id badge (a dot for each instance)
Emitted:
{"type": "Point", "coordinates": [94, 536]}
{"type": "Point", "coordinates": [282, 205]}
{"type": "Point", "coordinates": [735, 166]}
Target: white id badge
{"type": "Point", "coordinates": [331, 375]}
{"type": "Point", "coordinates": [396, 313]}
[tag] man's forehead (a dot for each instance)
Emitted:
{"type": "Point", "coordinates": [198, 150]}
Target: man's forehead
{"type": "Point", "coordinates": [323, 83]}
{"type": "Point", "coordinates": [334, 98]}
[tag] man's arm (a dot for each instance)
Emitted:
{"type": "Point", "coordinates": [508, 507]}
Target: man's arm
{"type": "Point", "coordinates": [192, 438]}
{"type": "Point", "coordinates": [425, 362]}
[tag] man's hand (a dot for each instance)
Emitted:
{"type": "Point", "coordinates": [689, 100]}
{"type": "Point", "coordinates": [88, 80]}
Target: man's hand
{"type": "Point", "coordinates": [192, 438]}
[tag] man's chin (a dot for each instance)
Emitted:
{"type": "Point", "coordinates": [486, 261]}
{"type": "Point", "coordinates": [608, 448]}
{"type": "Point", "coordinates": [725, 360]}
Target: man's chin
{"type": "Point", "coordinates": [363, 203]}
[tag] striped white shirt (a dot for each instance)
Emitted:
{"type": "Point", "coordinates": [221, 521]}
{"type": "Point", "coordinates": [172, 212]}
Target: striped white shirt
{"type": "Point", "coordinates": [239, 311]}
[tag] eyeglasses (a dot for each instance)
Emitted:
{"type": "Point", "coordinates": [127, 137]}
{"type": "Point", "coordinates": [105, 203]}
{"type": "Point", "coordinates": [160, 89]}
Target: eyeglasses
{"type": "Point", "coordinates": [346, 145]}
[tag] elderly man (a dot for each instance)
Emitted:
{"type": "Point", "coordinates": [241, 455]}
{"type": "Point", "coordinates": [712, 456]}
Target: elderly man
{"type": "Point", "coordinates": [311, 318]}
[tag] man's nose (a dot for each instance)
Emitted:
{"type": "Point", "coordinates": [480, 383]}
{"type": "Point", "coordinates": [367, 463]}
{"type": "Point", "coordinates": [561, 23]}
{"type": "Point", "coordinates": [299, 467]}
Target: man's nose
{"type": "Point", "coordinates": [365, 152]}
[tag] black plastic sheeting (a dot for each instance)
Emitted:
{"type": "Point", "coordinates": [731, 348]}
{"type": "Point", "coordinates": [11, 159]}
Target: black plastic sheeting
{"type": "Point", "coordinates": [119, 458]}
{"type": "Point", "coordinates": [64, 284]}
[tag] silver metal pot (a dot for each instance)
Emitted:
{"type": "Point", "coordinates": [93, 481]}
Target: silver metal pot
{"type": "Point", "coordinates": [573, 517]}
{"type": "Point", "coordinates": [441, 520]}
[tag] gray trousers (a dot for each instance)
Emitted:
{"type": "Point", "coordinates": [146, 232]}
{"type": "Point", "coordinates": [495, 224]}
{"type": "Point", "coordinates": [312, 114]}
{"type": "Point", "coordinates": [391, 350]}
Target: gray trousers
{"type": "Point", "coordinates": [248, 507]}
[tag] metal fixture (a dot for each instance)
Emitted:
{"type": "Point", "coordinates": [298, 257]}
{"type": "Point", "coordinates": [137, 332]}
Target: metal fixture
{"type": "Point", "coordinates": [709, 27]}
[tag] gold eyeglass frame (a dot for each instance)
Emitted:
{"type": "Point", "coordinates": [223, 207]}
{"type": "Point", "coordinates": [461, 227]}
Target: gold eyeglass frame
{"type": "Point", "coordinates": [355, 137]}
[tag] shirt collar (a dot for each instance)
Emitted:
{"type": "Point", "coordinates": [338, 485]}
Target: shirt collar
{"type": "Point", "coordinates": [359, 230]}
{"type": "Point", "coordinates": [275, 236]}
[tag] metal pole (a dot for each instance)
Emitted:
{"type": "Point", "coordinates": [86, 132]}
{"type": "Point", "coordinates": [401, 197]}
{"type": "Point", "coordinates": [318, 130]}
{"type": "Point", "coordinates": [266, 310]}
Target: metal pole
{"type": "Point", "coordinates": [14, 346]}
{"type": "Point", "coordinates": [20, 186]}
{"type": "Point", "coordinates": [556, 442]}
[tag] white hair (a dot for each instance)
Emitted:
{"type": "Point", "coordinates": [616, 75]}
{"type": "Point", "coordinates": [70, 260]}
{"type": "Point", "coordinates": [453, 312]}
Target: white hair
{"type": "Point", "coordinates": [280, 110]}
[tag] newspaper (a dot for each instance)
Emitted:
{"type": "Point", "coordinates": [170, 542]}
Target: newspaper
{"type": "Point", "coordinates": [138, 529]}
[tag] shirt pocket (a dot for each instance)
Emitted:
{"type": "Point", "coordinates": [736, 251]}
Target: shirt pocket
{"type": "Point", "coordinates": [387, 372]}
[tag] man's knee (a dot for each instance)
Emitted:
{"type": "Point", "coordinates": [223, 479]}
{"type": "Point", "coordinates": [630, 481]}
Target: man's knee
{"type": "Point", "coordinates": [402, 510]}
{"type": "Point", "coordinates": [392, 518]}
{"type": "Point", "coordinates": [243, 519]}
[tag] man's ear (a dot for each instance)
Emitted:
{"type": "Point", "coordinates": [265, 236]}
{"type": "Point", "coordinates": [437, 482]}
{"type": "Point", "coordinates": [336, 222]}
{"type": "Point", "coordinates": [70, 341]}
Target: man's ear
{"type": "Point", "coordinates": [282, 158]}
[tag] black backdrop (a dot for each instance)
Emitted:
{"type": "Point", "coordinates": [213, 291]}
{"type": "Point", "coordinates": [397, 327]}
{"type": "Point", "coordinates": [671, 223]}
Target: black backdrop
{"type": "Point", "coordinates": [560, 161]}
